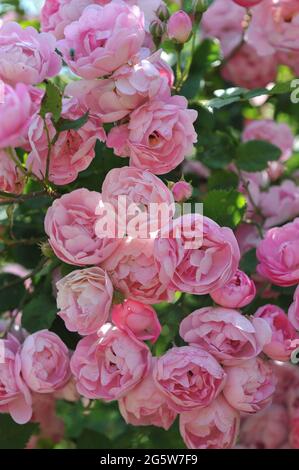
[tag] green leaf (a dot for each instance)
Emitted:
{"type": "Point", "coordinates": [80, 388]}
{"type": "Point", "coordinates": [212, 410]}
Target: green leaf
{"type": "Point", "coordinates": [292, 164]}
{"type": "Point", "coordinates": [254, 155]}
{"type": "Point", "coordinates": [15, 436]}
{"type": "Point", "coordinates": [249, 262]}
{"type": "Point", "coordinates": [10, 296]}
{"type": "Point", "coordinates": [68, 124]}
{"type": "Point", "coordinates": [281, 88]}
{"type": "Point", "coordinates": [226, 207]}
{"type": "Point", "coordinates": [223, 179]}
{"type": "Point", "coordinates": [216, 150]}
{"type": "Point", "coordinates": [93, 440]}
{"type": "Point", "coordinates": [254, 93]}
{"type": "Point", "coordinates": [39, 313]}
{"type": "Point", "coordinates": [52, 102]}
{"type": "Point", "coordinates": [218, 103]}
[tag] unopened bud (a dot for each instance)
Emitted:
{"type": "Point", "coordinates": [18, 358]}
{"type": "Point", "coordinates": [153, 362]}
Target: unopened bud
{"type": "Point", "coordinates": [157, 29]}
{"type": "Point", "coordinates": [200, 6]}
{"type": "Point", "coordinates": [182, 191]}
{"type": "Point", "coordinates": [179, 27]}
{"type": "Point", "coordinates": [47, 250]}
{"type": "Point", "coordinates": [163, 12]}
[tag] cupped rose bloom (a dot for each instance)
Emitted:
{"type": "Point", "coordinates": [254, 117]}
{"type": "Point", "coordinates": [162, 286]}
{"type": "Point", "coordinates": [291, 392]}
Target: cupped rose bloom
{"type": "Point", "coordinates": [189, 377]}
{"type": "Point", "coordinates": [278, 254]}
{"type": "Point", "coordinates": [284, 337]}
{"type": "Point", "coordinates": [15, 397]}
{"type": "Point", "coordinates": [27, 56]}
{"type": "Point", "coordinates": [136, 271]}
{"type": "Point", "coordinates": [182, 191]}
{"type": "Point", "coordinates": [12, 179]}
{"type": "Point", "coordinates": [293, 312]}
{"type": "Point", "coordinates": [137, 320]}
{"type": "Point", "coordinates": [91, 47]}
{"type": "Point", "coordinates": [72, 152]}
{"type": "Point", "coordinates": [278, 134]}
{"type": "Point", "coordinates": [244, 68]}
{"type": "Point", "coordinates": [84, 298]}
{"type": "Point", "coordinates": [213, 427]}
{"type": "Point", "coordinates": [280, 203]}
{"type": "Point", "coordinates": [224, 20]}
{"type": "Point", "coordinates": [16, 113]}
{"type": "Point", "coordinates": [267, 429]}
{"type": "Point", "coordinates": [70, 225]}
{"type": "Point", "coordinates": [128, 88]}
{"type": "Point", "coordinates": [179, 27]}
{"type": "Point", "coordinates": [109, 364]}
{"type": "Point", "coordinates": [226, 334]}
{"type": "Point", "coordinates": [249, 386]}
{"type": "Point", "coordinates": [274, 26]}
{"type": "Point", "coordinates": [287, 386]}
{"type": "Point", "coordinates": [135, 193]}
{"type": "Point", "coordinates": [204, 256]}
{"type": "Point", "coordinates": [237, 293]}
{"type": "Point", "coordinates": [45, 362]}
{"type": "Point", "coordinates": [145, 405]}
{"type": "Point", "coordinates": [159, 135]}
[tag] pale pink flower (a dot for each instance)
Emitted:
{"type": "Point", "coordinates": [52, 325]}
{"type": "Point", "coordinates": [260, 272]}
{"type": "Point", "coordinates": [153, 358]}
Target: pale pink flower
{"type": "Point", "coordinates": [237, 293]}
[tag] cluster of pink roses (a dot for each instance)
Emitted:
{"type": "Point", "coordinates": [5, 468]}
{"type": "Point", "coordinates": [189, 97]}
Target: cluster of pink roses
{"type": "Point", "coordinates": [267, 33]}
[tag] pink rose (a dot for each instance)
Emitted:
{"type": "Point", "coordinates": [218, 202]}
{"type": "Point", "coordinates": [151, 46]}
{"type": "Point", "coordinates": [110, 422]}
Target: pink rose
{"type": "Point", "coordinates": [280, 203]}
{"type": "Point", "coordinates": [278, 254]}
{"type": "Point", "coordinates": [51, 427]}
{"type": "Point", "coordinates": [73, 151]}
{"type": "Point", "coordinates": [182, 191]}
{"type": "Point", "coordinates": [158, 136]}
{"type": "Point", "coordinates": [294, 435]}
{"type": "Point", "coordinates": [284, 337]}
{"type": "Point", "coordinates": [237, 293]}
{"type": "Point", "coordinates": [293, 312]}
{"type": "Point", "coordinates": [26, 55]}
{"type": "Point", "coordinates": [45, 362]}
{"type": "Point", "coordinates": [136, 271]}
{"type": "Point", "coordinates": [267, 429]}
{"type": "Point", "coordinates": [91, 46]}
{"type": "Point", "coordinates": [137, 320]}
{"type": "Point", "coordinates": [247, 3]}
{"type": "Point", "coordinates": [109, 364]}
{"type": "Point", "coordinates": [84, 298]}
{"type": "Point", "coordinates": [226, 334]}
{"type": "Point", "coordinates": [15, 397]}
{"type": "Point", "coordinates": [145, 405]}
{"type": "Point", "coordinates": [189, 377]}
{"type": "Point", "coordinates": [204, 266]}
{"type": "Point", "coordinates": [12, 179]}
{"type": "Point", "coordinates": [247, 237]}
{"type": "Point", "coordinates": [179, 27]}
{"type": "Point", "coordinates": [243, 68]}
{"type": "Point", "coordinates": [16, 113]}
{"type": "Point", "coordinates": [70, 225]}
{"type": "Point", "coordinates": [224, 21]}
{"type": "Point", "coordinates": [129, 87]}
{"type": "Point", "coordinates": [274, 27]}
{"type": "Point", "coordinates": [213, 427]}
{"type": "Point", "coordinates": [249, 386]}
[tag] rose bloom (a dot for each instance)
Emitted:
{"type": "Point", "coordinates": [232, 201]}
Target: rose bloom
{"type": "Point", "coordinates": [237, 293]}
{"type": "Point", "coordinates": [27, 56]}
{"type": "Point", "coordinates": [15, 397]}
{"type": "Point", "coordinates": [109, 364]}
{"type": "Point", "coordinates": [294, 435]}
{"type": "Point", "coordinates": [243, 68]}
{"type": "Point", "coordinates": [247, 237]}
{"type": "Point", "coordinates": [204, 256]}
{"type": "Point", "coordinates": [247, 3]}
{"type": "Point", "coordinates": [73, 151]}
{"type": "Point", "coordinates": [189, 377]}
{"type": "Point", "coordinates": [132, 191]}
{"type": "Point", "coordinates": [280, 203]}
{"type": "Point", "coordinates": [137, 320]}
{"type": "Point", "coordinates": [12, 179]}
{"type": "Point", "coordinates": [70, 225]}
{"type": "Point", "coordinates": [128, 88]}
{"type": "Point", "coordinates": [213, 427]}
{"type": "Point", "coordinates": [136, 271]}
{"type": "Point", "coordinates": [223, 20]}
{"type": "Point", "coordinates": [249, 386]}
{"type": "Point", "coordinates": [226, 334]}
{"type": "Point", "coordinates": [16, 113]}
{"type": "Point", "coordinates": [159, 135]}
{"type": "Point", "coordinates": [45, 362]}
{"type": "Point", "coordinates": [293, 312]}
{"type": "Point", "coordinates": [84, 298]}
{"type": "Point", "coordinates": [274, 27]}
{"type": "Point", "coordinates": [278, 254]}
{"type": "Point", "coordinates": [91, 47]}
{"type": "Point", "coordinates": [284, 337]}
{"type": "Point", "coordinates": [267, 429]}
{"type": "Point", "coordinates": [146, 405]}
